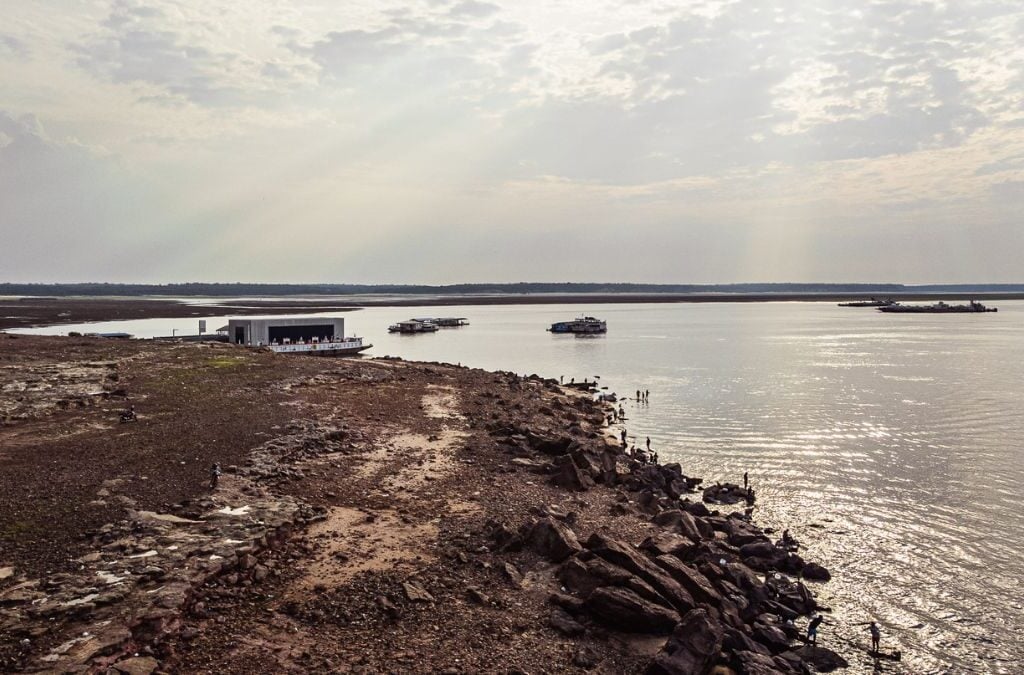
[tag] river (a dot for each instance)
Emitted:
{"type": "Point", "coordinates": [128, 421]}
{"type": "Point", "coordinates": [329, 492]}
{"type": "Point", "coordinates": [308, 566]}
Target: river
{"type": "Point", "coordinates": [892, 446]}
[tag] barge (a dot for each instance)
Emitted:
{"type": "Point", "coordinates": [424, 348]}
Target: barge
{"type": "Point", "coordinates": [938, 308]}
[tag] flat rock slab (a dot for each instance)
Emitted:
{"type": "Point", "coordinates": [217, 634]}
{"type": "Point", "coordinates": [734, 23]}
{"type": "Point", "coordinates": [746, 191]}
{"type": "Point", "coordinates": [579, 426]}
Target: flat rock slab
{"type": "Point", "coordinates": [139, 665]}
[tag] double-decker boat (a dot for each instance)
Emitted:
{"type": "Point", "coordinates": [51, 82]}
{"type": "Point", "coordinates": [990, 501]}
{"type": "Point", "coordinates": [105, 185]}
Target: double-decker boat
{"type": "Point", "coordinates": [585, 325]}
{"type": "Point", "coordinates": [413, 326]}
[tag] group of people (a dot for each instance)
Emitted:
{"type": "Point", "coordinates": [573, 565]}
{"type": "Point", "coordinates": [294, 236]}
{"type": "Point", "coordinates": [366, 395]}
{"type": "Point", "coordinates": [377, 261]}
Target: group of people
{"type": "Point", "coordinates": [873, 629]}
{"type": "Point", "coordinates": [643, 395]}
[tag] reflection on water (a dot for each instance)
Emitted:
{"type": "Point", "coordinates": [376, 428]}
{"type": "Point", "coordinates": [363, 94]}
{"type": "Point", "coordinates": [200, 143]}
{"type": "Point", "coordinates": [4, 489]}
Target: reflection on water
{"type": "Point", "coordinates": [890, 444]}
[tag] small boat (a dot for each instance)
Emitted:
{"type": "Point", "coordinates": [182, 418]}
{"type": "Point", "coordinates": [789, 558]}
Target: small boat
{"type": "Point", "coordinates": [585, 325]}
{"type": "Point", "coordinates": [413, 326]}
{"type": "Point", "coordinates": [938, 308]}
{"type": "Point", "coordinates": [873, 302]}
{"type": "Point", "coordinates": [317, 347]}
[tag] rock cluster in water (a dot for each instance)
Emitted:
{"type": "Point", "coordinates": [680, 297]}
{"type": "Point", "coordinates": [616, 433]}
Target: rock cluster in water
{"type": "Point", "coordinates": [715, 584]}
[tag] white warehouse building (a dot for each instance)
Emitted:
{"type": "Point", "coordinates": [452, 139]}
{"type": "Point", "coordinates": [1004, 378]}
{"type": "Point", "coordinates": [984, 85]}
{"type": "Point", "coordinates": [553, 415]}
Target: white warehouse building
{"type": "Point", "coordinates": [270, 331]}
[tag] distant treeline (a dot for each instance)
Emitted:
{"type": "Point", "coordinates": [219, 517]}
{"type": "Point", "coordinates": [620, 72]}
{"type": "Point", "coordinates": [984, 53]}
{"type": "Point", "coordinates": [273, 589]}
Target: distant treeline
{"type": "Point", "coordinates": [220, 290]}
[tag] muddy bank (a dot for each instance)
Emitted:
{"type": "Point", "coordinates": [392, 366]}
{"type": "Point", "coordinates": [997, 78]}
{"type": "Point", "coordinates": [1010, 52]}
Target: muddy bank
{"type": "Point", "coordinates": [374, 515]}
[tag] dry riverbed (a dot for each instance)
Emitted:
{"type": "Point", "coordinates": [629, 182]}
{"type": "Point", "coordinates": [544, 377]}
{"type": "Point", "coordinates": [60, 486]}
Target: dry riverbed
{"type": "Point", "coordinates": [374, 515]}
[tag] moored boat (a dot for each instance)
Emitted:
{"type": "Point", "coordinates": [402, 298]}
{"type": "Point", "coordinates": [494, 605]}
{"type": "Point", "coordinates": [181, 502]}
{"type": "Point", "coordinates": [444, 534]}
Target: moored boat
{"type": "Point", "coordinates": [446, 321]}
{"type": "Point", "coordinates": [413, 326]}
{"type": "Point", "coordinates": [334, 347]}
{"type": "Point", "coordinates": [585, 325]}
{"type": "Point", "coordinates": [873, 302]}
{"type": "Point", "coordinates": [938, 308]}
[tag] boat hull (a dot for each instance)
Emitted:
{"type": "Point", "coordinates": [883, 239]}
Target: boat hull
{"type": "Point", "coordinates": [347, 348]}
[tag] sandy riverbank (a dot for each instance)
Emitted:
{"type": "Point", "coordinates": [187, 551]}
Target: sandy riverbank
{"type": "Point", "coordinates": [375, 515]}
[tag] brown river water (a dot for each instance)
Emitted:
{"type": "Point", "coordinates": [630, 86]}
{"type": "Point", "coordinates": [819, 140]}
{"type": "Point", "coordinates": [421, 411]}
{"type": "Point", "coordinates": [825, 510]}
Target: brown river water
{"type": "Point", "coordinates": [892, 446]}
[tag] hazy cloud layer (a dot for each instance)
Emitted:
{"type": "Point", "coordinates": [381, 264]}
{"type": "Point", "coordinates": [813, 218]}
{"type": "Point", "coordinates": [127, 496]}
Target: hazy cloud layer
{"type": "Point", "coordinates": [441, 141]}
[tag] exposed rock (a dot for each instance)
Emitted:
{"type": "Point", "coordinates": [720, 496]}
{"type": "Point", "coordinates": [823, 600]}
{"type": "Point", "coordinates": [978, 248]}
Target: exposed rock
{"type": "Point", "coordinates": [816, 572]}
{"type": "Point", "coordinates": [664, 542]}
{"type": "Point", "coordinates": [478, 596]}
{"type": "Point", "coordinates": [512, 573]}
{"type": "Point", "coordinates": [139, 665]}
{"type": "Point", "coordinates": [771, 637]}
{"type": "Point", "coordinates": [586, 657]}
{"type": "Point", "coordinates": [628, 558]}
{"type": "Point", "coordinates": [726, 493]}
{"type": "Point", "coordinates": [695, 583]}
{"type": "Point", "coordinates": [416, 593]}
{"type": "Point", "coordinates": [823, 659]}
{"type": "Point", "coordinates": [692, 649]}
{"type": "Point", "coordinates": [505, 539]}
{"type": "Point", "coordinates": [570, 476]}
{"type": "Point", "coordinates": [553, 540]}
{"type": "Point", "coordinates": [560, 620]}
{"type": "Point", "coordinates": [624, 610]}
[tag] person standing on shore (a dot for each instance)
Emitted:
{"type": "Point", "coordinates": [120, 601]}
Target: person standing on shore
{"type": "Point", "coordinates": [623, 436]}
{"type": "Point", "coordinates": [812, 629]}
{"type": "Point", "coordinates": [876, 636]}
{"type": "Point", "coordinates": [648, 442]}
{"type": "Point", "coordinates": [746, 480]}
{"type": "Point", "coordinates": [638, 394]}
{"type": "Point", "coordinates": [214, 475]}
{"type": "Point", "coordinates": [647, 394]}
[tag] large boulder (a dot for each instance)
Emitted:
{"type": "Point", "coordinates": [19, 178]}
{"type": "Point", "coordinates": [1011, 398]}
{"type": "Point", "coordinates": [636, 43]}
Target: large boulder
{"type": "Point", "coordinates": [628, 558]}
{"type": "Point", "coordinates": [695, 583]}
{"type": "Point", "coordinates": [759, 549]}
{"type": "Point", "coordinates": [736, 640]}
{"type": "Point", "coordinates": [726, 494]}
{"type": "Point", "coordinates": [664, 542]}
{"type": "Point", "coordinates": [553, 540]}
{"type": "Point", "coordinates": [816, 572]}
{"type": "Point", "coordinates": [570, 475]}
{"type": "Point", "coordinates": [692, 649]}
{"type": "Point", "coordinates": [624, 610]}
{"type": "Point", "coordinates": [695, 508]}
{"type": "Point", "coordinates": [756, 663]}
{"type": "Point", "coordinates": [549, 445]}
{"type": "Point", "coordinates": [770, 636]}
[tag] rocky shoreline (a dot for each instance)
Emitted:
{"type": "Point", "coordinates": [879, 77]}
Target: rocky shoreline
{"type": "Point", "coordinates": [395, 516]}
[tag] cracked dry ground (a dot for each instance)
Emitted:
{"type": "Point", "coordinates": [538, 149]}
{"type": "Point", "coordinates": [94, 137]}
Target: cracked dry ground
{"type": "Point", "coordinates": [398, 576]}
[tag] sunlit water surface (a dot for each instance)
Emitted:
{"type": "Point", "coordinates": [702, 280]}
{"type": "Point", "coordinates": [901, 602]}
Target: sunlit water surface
{"type": "Point", "coordinates": [891, 445]}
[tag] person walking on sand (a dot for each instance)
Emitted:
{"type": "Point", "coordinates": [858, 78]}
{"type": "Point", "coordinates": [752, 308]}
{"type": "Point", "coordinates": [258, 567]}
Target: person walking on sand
{"type": "Point", "coordinates": [214, 475]}
{"type": "Point", "coordinates": [812, 629]}
{"type": "Point", "coordinates": [876, 636]}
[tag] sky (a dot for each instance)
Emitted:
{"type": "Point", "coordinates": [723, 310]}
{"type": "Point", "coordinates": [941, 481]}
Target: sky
{"type": "Point", "coordinates": [449, 141]}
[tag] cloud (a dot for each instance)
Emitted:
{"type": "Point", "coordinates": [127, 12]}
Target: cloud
{"type": "Point", "coordinates": [13, 47]}
{"type": "Point", "coordinates": [65, 209]}
{"type": "Point", "coordinates": [473, 9]}
{"type": "Point", "coordinates": [180, 60]}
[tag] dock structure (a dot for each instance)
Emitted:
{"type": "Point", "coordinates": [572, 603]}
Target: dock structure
{"type": "Point", "coordinates": [271, 331]}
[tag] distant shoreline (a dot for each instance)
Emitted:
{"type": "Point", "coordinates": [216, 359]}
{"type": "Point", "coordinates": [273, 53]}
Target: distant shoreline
{"type": "Point", "coordinates": [36, 311]}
